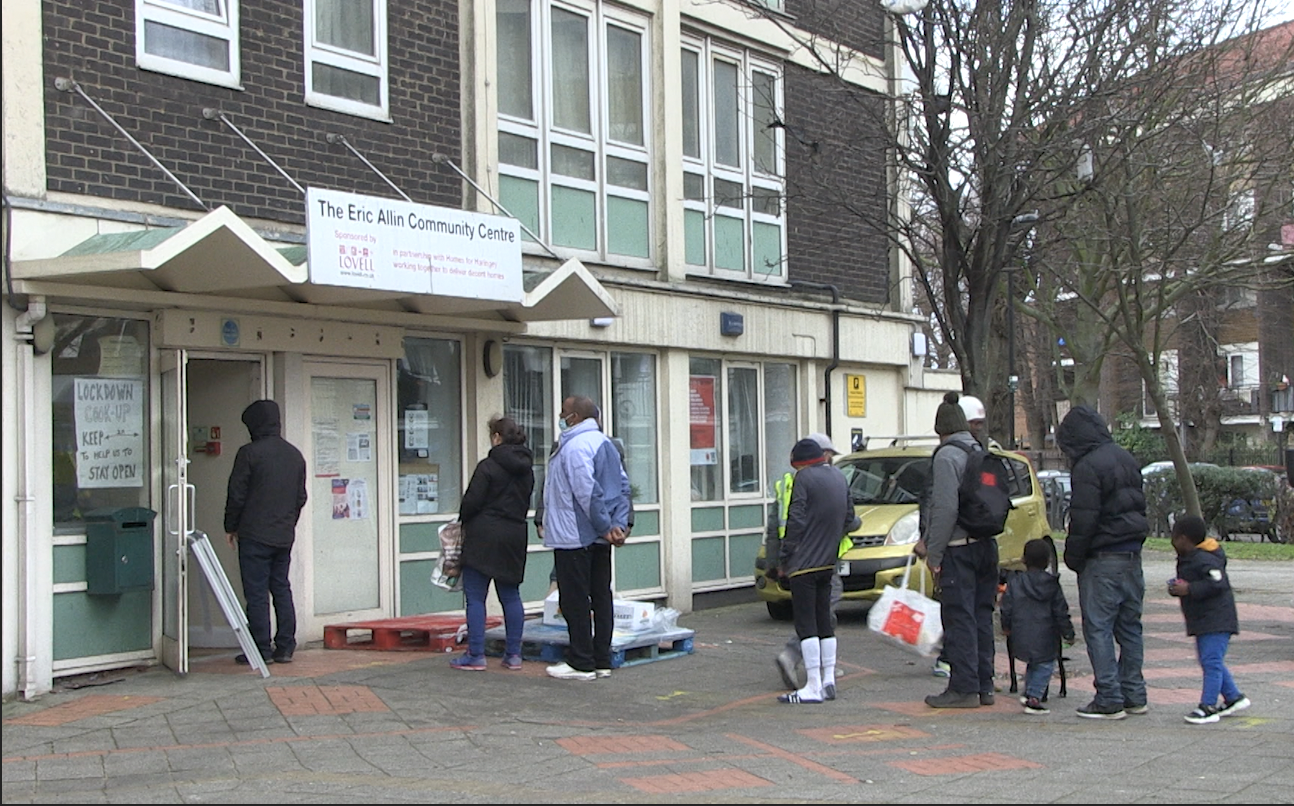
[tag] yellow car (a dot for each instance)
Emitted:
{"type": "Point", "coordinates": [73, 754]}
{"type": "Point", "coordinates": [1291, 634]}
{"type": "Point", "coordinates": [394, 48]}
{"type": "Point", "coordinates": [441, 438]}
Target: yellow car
{"type": "Point", "coordinates": [885, 485]}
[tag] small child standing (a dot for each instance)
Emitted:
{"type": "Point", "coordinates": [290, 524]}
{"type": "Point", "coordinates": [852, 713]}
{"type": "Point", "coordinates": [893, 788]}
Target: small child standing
{"type": "Point", "coordinates": [1209, 607]}
{"type": "Point", "coordinates": [1035, 617]}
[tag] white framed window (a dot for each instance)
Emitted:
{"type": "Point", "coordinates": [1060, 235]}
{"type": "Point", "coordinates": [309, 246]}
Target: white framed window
{"type": "Point", "coordinates": [346, 56]}
{"type": "Point", "coordinates": [574, 144]}
{"type": "Point", "coordinates": [1242, 364]}
{"type": "Point", "coordinates": [1167, 382]}
{"type": "Point", "coordinates": [733, 162]}
{"type": "Point", "coordinates": [195, 39]}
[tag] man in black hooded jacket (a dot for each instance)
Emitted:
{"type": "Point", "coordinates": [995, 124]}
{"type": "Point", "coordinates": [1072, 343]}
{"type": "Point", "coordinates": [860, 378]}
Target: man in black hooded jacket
{"type": "Point", "coordinates": [267, 489]}
{"type": "Point", "coordinates": [1107, 527]}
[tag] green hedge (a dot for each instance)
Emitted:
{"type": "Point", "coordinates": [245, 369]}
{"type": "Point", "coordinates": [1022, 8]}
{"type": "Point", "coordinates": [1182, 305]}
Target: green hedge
{"type": "Point", "coordinates": [1217, 488]}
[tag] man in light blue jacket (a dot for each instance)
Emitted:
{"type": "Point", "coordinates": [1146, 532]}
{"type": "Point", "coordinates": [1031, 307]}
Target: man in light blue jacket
{"type": "Point", "coordinates": [586, 512]}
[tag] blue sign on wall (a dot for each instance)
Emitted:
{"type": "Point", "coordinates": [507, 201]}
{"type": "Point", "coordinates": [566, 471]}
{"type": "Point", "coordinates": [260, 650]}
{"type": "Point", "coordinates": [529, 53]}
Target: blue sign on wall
{"type": "Point", "coordinates": [229, 335]}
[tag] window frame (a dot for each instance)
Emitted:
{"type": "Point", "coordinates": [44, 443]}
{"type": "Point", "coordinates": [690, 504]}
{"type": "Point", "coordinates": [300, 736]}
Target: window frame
{"type": "Point", "coordinates": [377, 66]}
{"type": "Point", "coordinates": [543, 131]}
{"type": "Point", "coordinates": [222, 26]}
{"type": "Point", "coordinates": [748, 175]}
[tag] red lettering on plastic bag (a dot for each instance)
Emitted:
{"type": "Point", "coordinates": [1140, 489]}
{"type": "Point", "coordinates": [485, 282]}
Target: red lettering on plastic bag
{"type": "Point", "coordinates": [904, 623]}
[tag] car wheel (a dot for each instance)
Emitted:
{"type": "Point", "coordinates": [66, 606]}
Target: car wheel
{"type": "Point", "coordinates": [780, 611]}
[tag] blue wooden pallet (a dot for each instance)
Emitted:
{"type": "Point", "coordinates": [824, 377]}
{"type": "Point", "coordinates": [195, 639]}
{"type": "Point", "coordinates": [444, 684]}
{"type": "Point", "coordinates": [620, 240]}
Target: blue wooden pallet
{"type": "Point", "coordinates": [547, 643]}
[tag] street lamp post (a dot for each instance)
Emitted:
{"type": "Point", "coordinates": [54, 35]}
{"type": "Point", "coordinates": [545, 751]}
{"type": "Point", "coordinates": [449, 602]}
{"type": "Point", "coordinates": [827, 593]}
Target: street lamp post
{"type": "Point", "coordinates": [1023, 221]}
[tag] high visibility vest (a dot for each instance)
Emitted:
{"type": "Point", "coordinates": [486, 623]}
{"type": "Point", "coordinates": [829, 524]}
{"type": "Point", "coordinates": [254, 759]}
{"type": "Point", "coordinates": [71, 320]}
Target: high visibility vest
{"type": "Point", "coordinates": [782, 488]}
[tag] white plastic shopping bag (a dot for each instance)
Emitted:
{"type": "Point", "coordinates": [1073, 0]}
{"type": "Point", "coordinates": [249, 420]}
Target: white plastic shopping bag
{"type": "Point", "coordinates": [907, 617]}
{"type": "Point", "coordinates": [448, 571]}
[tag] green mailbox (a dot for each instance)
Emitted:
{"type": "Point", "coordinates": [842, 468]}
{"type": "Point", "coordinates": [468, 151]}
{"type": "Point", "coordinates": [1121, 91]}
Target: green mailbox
{"type": "Point", "coordinates": [119, 550]}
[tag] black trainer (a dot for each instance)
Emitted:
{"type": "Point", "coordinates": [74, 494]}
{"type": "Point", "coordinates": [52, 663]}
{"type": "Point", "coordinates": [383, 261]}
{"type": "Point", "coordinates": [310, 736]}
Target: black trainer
{"type": "Point", "coordinates": [241, 659]}
{"type": "Point", "coordinates": [1094, 710]}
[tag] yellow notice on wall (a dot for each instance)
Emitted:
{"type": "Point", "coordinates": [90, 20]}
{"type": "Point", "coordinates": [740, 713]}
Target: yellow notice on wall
{"type": "Point", "coordinates": [856, 395]}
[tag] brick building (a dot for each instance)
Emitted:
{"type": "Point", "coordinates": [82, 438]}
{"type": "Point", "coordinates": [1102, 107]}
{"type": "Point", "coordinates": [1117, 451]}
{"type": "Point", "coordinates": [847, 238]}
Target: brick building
{"type": "Point", "coordinates": [660, 184]}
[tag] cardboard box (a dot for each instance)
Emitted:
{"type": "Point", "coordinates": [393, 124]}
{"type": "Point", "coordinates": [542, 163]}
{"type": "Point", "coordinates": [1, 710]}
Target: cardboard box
{"type": "Point", "coordinates": [630, 616]}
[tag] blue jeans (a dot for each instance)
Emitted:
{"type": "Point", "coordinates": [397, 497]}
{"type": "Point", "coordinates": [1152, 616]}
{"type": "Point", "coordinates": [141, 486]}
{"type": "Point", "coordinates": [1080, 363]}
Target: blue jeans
{"type": "Point", "coordinates": [1111, 590]}
{"type": "Point", "coordinates": [967, 590]}
{"type": "Point", "coordinates": [475, 587]}
{"type": "Point", "coordinates": [1211, 648]}
{"type": "Point", "coordinates": [264, 571]}
{"type": "Point", "coordinates": [1036, 677]}
{"type": "Point", "coordinates": [584, 584]}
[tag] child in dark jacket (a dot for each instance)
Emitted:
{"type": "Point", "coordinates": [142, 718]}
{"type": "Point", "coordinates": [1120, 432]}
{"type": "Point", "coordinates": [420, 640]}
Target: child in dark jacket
{"type": "Point", "coordinates": [1035, 616]}
{"type": "Point", "coordinates": [1209, 607]}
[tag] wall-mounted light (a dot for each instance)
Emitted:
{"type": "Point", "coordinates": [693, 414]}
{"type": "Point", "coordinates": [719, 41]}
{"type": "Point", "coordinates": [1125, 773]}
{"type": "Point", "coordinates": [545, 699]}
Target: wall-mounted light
{"type": "Point", "coordinates": [602, 321]}
{"type": "Point", "coordinates": [492, 358]}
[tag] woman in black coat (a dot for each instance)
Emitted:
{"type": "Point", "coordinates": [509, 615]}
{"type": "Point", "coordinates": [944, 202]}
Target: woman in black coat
{"type": "Point", "coordinates": [493, 514]}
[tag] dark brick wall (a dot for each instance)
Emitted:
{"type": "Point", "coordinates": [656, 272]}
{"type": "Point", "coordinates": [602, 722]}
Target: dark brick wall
{"type": "Point", "coordinates": [857, 24]}
{"type": "Point", "coordinates": [94, 43]}
{"type": "Point", "coordinates": [836, 191]}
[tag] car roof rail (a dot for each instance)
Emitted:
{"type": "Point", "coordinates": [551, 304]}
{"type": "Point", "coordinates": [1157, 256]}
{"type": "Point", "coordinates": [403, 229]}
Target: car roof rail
{"type": "Point", "coordinates": [900, 440]}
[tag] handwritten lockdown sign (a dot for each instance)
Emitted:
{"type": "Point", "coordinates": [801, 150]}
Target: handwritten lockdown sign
{"type": "Point", "coordinates": [109, 432]}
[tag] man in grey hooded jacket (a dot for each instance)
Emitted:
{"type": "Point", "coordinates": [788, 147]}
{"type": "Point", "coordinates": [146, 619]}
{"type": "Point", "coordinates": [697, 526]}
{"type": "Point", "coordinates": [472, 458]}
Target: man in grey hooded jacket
{"type": "Point", "coordinates": [964, 568]}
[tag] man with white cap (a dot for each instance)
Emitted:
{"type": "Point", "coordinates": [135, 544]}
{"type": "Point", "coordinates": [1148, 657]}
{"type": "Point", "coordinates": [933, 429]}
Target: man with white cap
{"type": "Point", "coordinates": [790, 661]}
{"type": "Point", "coordinates": [976, 418]}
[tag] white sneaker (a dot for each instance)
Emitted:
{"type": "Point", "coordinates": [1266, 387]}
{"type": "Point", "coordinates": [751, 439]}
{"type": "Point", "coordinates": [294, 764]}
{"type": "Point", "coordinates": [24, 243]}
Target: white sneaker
{"type": "Point", "coordinates": [563, 671]}
{"type": "Point", "coordinates": [602, 672]}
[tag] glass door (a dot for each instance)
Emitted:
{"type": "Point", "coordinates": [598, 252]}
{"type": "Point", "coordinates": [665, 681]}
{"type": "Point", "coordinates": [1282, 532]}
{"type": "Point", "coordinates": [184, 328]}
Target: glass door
{"type": "Point", "coordinates": [177, 515]}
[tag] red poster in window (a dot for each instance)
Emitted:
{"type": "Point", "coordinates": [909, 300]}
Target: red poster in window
{"type": "Point", "coordinates": [704, 424]}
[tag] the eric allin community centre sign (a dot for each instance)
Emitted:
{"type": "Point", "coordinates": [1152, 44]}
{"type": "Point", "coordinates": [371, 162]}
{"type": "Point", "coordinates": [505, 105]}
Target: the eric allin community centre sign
{"type": "Point", "coordinates": [384, 244]}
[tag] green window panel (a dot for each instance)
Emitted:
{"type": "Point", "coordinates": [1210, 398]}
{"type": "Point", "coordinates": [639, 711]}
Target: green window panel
{"type": "Point", "coordinates": [707, 519]}
{"type": "Point", "coordinates": [768, 249]}
{"type": "Point", "coordinates": [416, 538]}
{"type": "Point", "coordinates": [746, 517]}
{"type": "Point", "coordinates": [694, 237]}
{"type": "Point", "coordinates": [521, 198]}
{"type": "Point", "coordinates": [418, 595]}
{"type": "Point", "coordinates": [741, 553]}
{"type": "Point", "coordinates": [707, 559]}
{"type": "Point", "coordinates": [729, 243]}
{"type": "Point", "coordinates": [627, 227]}
{"type": "Point", "coordinates": [69, 563]}
{"type": "Point", "coordinates": [637, 566]}
{"type": "Point", "coordinates": [85, 626]}
{"type": "Point", "coordinates": [646, 523]}
{"type": "Point", "coordinates": [539, 569]}
{"type": "Point", "coordinates": [575, 219]}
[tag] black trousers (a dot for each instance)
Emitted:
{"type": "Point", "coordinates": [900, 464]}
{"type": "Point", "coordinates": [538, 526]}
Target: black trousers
{"type": "Point", "coordinates": [968, 589]}
{"type": "Point", "coordinates": [584, 584]}
{"type": "Point", "coordinates": [811, 604]}
{"type": "Point", "coordinates": [264, 571]}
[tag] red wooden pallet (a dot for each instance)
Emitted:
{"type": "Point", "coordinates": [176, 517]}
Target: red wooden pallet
{"type": "Point", "coordinates": [410, 633]}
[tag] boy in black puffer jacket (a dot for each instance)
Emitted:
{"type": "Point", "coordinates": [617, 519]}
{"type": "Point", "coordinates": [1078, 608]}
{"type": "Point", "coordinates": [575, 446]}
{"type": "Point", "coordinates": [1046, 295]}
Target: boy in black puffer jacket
{"type": "Point", "coordinates": [1035, 616]}
{"type": "Point", "coordinates": [1209, 607]}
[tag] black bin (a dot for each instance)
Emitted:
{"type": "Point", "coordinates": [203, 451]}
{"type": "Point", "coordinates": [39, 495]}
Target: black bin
{"type": "Point", "coordinates": [119, 550]}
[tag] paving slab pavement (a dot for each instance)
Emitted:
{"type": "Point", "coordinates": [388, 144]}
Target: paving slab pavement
{"type": "Point", "coordinates": [367, 726]}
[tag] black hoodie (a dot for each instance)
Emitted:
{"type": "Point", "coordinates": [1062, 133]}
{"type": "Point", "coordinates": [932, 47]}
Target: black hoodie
{"type": "Point", "coordinates": [1035, 613]}
{"type": "Point", "coordinates": [267, 487]}
{"type": "Point", "coordinates": [1107, 508]}
{"type": "Point", "coordinates": [493, 513]}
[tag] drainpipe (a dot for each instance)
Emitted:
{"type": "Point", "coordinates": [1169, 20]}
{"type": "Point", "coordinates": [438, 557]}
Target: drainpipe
{"type": "Point", "coordinates": [835, 341]}
{"type": "Point", "coordinates": [31, 564]}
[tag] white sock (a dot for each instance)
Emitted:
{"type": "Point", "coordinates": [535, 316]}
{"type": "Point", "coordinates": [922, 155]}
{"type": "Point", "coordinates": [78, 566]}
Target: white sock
{"type": "Point", "coordinates": [811, 649]}
{"type": "Point", "coordinates": [828, 661]}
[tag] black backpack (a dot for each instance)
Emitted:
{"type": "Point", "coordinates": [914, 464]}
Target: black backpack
{"type": "Point", "coordinates": [984, 499]}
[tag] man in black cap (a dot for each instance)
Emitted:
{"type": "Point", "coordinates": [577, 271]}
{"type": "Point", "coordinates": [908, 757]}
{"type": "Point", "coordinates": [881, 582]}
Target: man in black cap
{"type": "Point", "coordinates": [964, 568]}
{"type": "Point", "coordinates": [267, 489]}
{"type": "Point", "coordinates": [819, 513]}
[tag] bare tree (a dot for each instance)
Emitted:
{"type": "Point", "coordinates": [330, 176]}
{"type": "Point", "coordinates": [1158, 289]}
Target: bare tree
{"type": "Point", "coordinates": [1138, 248]}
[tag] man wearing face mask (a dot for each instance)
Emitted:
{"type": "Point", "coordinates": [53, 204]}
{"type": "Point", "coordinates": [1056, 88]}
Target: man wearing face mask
{"type": "Point", "coordinates": [586, 511]}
